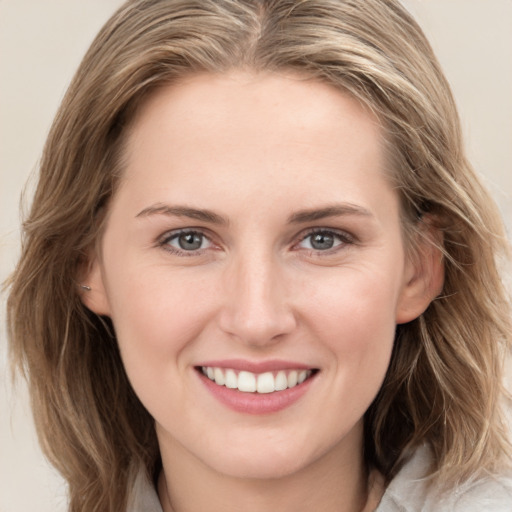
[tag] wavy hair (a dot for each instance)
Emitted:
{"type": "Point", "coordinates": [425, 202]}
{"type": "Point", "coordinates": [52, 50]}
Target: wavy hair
{"type": "Point", "coordinates": [444, 383]}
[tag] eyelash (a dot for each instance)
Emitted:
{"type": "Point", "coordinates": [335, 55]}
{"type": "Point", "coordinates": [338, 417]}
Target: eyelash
{"type": "Point", "coordinates": [344, 239]}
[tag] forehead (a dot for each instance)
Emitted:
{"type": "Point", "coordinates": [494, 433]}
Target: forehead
{"type": "Point", "coordinates": [239, 93]}
{"type": "Point", "coordinates": [267, 134]}
{"type": "Point", "coordinates": [255, 110]}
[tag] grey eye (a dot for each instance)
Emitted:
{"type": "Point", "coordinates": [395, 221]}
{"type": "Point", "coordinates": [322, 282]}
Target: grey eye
{"type": "Point", "coordinates": [322, 241]}
{"type": "Point", "coordinates": [188, 241]}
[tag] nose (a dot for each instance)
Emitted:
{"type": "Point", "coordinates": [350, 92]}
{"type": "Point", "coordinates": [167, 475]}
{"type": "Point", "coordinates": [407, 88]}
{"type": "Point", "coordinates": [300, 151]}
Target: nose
{"type": "Point", "coordinates": [256, 308]}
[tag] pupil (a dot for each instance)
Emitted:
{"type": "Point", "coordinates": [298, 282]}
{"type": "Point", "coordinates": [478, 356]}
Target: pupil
{"type": "Point", "coordinates": [322, 241]}
{"type": "Point", "coordinates": [190, 241]}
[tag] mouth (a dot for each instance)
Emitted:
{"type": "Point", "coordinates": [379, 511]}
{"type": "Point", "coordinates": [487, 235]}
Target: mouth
{"type": "Point", "coordinates": [249, 382]}
{"type": "Point", "coordinates": [256, 387]}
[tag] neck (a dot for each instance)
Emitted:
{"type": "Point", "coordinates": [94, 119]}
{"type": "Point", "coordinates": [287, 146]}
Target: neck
{"type": "Point", "coordinates": [335, 482]}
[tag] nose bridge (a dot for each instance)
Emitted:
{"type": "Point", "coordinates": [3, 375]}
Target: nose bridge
{"type": "Point", "coordinates": [256, 308]}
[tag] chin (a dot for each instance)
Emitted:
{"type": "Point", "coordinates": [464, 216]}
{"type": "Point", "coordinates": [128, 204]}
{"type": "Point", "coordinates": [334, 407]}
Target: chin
{"type": "Point", "coordinates": [265, 463]}
{"type": "Point", "coordinates": [268, 469]}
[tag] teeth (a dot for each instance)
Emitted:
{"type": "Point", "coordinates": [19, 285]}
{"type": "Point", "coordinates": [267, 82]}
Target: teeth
{"type": "Point", "coordinates": [246, 382]}
{"type": "Point", "coordinates": [265, 383]}
{"type": "Point", "coordinates": [281, 381]}
{"type": "Point", "coordinates": [292, 379]}
{"type": "Point", "coordinates": [249, 382]}
{"type": "Point", "coordinates": [219, 376]}
{"type": "Point", "coordinates": [302, 376]}
{"type": "Point", "coordinates": [231, 379]}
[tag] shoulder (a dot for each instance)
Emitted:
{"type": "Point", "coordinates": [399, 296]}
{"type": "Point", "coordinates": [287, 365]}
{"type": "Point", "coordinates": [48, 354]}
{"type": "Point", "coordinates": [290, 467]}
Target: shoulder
{"type": "Point", "coordinates": [492, 494]}
{"type": "Point", "coordinates": [409, 492]}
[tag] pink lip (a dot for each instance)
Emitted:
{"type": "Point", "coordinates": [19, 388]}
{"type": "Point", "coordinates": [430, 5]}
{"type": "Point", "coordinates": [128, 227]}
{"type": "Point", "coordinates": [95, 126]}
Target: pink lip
{"type": "Point", "coordinates": [256, 403]}
{"type": "Point", "coordinates": [271, 365]}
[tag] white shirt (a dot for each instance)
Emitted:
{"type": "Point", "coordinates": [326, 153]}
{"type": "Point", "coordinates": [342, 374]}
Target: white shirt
{"type": "Point", "coordinates": [407, 492]}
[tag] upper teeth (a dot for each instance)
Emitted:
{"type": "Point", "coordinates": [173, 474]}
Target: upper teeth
{"type": "Point", "coordinates": [249, 382]}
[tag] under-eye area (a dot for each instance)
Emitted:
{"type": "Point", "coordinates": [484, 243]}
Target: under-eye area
{"type": "Point", "coordinates": [249, 382]}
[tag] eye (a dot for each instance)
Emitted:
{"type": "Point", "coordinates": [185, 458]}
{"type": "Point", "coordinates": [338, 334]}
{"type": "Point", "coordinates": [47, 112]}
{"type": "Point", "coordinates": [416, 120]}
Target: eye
{"type": "Point", "coordinates": [324, 240]}
{"type": "Point", "coordinates": [186, 241]}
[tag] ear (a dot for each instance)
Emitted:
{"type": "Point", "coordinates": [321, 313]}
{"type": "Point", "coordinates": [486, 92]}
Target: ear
{"type": "Point", "coordinates": [92, 287]}
{"type": "Point", "coordinates": [424, 273]}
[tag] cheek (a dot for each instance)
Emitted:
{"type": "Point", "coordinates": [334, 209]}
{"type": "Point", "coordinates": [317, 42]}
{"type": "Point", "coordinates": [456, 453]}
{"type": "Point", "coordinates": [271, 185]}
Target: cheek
{"type": "Point", "coordinates": [354, 317]}
{"type": "Point", "coordinates": [156, 315]}
{"type": "Point", "coordinates": [362, 300]}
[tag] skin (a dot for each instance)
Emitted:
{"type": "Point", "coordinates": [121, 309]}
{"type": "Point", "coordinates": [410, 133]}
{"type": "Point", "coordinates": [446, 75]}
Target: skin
{"type": "Point", "coordinates": [257, 149]}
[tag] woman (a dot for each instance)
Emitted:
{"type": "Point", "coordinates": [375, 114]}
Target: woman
{"type": "Point", "coordinates": [259, 272]}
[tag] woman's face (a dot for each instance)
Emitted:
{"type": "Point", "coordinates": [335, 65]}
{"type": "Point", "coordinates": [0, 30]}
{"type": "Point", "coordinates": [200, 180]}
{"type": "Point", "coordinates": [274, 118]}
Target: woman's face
{"type": "Point", "coordinates": [254, 241]}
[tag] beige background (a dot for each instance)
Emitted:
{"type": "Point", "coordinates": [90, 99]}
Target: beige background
{"type": "Point", "coordinates": [41, 43]}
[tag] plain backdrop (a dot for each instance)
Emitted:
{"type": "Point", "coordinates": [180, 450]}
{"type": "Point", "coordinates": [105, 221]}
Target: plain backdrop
{"type": "Point", "coordinates": [41, 44]}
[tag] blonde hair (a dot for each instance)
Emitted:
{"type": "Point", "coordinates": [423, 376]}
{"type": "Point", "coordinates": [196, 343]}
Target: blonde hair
{"type": "Point", "coordinates": [444, 382]}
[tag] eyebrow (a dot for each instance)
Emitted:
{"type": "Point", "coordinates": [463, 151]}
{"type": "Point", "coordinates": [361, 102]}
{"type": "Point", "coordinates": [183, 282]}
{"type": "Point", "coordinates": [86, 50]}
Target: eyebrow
{"type": "Point", "coordinates": [335, 210]}
{"type": "Point", "coordinates": [183, 211]}
{"type": "Point", "coordinates": [311, 215]}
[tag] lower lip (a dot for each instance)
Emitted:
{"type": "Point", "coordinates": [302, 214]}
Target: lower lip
{"type": "Point", "coordinates": [256, 403]}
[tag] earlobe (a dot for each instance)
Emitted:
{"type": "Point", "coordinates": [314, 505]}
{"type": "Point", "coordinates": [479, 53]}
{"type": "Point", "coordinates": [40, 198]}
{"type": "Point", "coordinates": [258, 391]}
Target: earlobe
{"type": "Point", "coordinates": [92, 289]}
{"type": "Point", "coordinates": [424, 276]}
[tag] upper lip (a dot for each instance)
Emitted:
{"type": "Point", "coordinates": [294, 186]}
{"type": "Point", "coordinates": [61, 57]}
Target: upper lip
{"type": "Point", "coordinates": [271, 365]}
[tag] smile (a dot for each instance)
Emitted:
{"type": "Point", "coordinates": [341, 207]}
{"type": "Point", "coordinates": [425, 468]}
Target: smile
{"type": "Point", "coordinates": [248, 382]}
